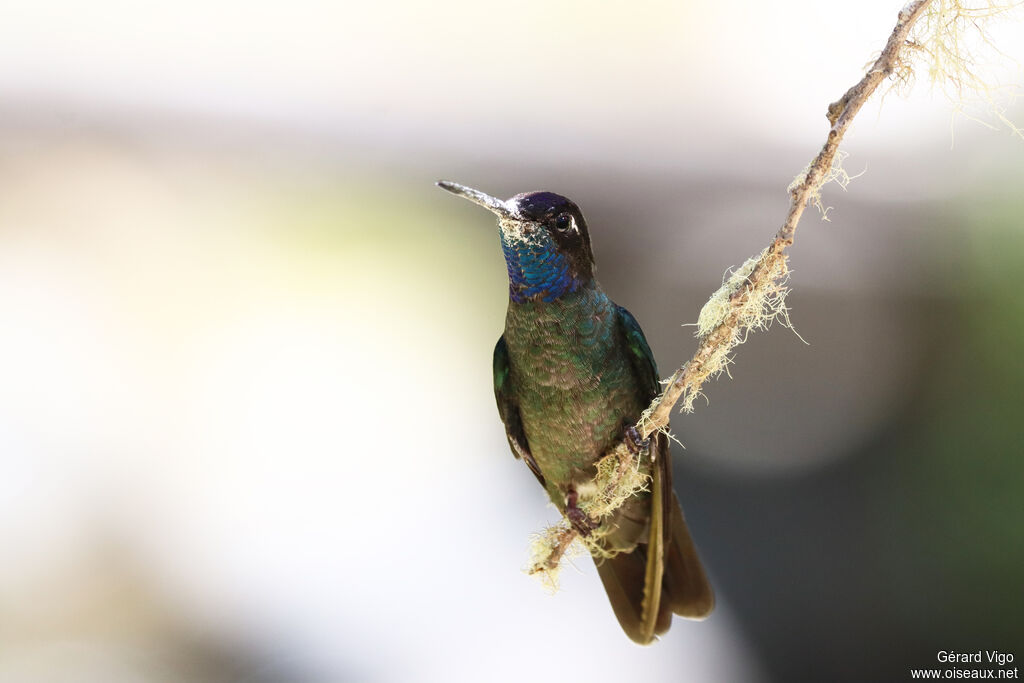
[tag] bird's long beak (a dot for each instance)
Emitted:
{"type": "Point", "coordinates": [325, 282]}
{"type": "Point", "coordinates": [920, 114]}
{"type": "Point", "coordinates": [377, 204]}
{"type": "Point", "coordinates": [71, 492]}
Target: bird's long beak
{"type": "Point", "coordinates": [493, 204]}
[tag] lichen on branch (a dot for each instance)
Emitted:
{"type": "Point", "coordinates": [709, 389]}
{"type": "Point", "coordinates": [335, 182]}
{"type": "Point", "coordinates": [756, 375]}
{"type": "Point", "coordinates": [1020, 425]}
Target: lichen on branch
{"type": "Point", "coordinates": [618, 477]}
{"type": "Point", "coordinates": [753, 295]}
{"type": "Point", "coordinates": [766, 279]}
{"type": "Point", "coordinates": [952, 44]}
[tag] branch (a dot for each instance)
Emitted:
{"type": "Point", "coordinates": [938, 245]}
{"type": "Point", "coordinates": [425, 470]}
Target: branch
{"type": "Point", "coordinates": [754, 295]}
{"type": "Point", "coordinates": [769, 272]}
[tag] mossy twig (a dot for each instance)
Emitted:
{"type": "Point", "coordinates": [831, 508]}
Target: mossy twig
{"type": "Point", "coordinates": [765, 281]}
{"type": "Point", "coordinates": [753, 295]}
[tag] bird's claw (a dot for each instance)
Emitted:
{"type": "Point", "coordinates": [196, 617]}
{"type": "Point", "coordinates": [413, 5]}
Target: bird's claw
{"type": "Point", "coordinates": [577, 517]}
{"type": "Point", "coordinates": [634, 442]}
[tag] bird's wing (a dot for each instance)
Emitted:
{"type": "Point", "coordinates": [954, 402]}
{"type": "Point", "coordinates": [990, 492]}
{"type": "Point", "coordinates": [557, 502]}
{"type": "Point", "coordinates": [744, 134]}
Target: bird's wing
{"type": "Point", "coordinates": [654, 616]}
{"type": "Point", "coordinates": [508, 409]}
{"type": "Point", "coordinates": [672, 561]}
{"type": "Point", "coordinates": [644, 367]}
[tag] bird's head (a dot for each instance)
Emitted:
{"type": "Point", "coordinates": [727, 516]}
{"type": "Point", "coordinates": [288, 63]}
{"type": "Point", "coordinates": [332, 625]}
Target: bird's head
{"type": "Point", "coordinates": [545, 240]}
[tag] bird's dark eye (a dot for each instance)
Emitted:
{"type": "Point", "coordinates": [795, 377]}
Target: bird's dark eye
{"type": "Point", "coordinates": [563, 222]}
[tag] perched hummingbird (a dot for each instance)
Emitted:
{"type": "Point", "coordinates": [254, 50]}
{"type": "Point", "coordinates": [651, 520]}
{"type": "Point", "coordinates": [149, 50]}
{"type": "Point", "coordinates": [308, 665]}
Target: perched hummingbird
{"type": "Point", "coordinates": [572, 374]}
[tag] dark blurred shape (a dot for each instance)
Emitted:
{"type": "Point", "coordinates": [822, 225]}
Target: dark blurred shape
{"type": "Point", "coordinates": [913, 542]}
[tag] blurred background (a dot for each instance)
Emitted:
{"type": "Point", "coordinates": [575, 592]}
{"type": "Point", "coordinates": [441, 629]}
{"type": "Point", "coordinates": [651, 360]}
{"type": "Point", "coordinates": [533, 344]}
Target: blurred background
{"type": "Point", "coordinates": [247, 429]}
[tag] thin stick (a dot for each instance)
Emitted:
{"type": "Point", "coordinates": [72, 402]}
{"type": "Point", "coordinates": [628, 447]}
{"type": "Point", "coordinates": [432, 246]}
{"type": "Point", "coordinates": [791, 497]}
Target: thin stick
{"type": "Point", "coordinates": [690, 377]}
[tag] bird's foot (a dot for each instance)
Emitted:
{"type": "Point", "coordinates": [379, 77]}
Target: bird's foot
{"type": "Point", "coordinates": [634, 442]}
{"type": "Point", "coordinates": [579, 519]}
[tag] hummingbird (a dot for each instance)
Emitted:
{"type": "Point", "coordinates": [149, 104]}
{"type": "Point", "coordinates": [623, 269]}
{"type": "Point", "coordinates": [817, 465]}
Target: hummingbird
{"type": "Point", "coordinates": [572, 374]}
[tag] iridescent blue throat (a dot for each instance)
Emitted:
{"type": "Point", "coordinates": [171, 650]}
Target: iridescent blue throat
{"type": "Point", "coordinates": [536, 269]}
